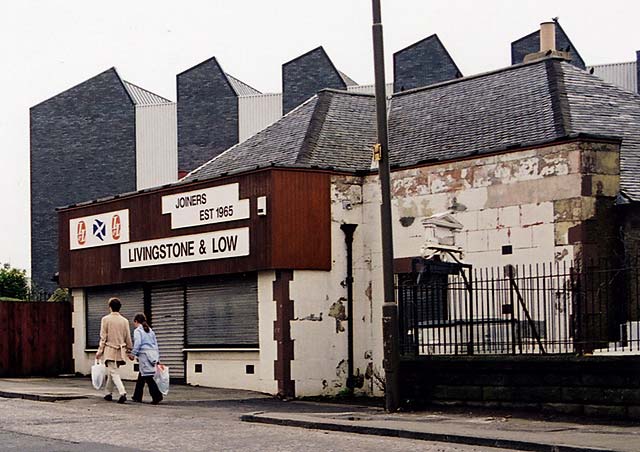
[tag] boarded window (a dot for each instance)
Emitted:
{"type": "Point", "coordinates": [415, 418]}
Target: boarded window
{"type": "Point", "coordinates": [223, 312]}
{"type": "Point", "coordinates": [132, 298]}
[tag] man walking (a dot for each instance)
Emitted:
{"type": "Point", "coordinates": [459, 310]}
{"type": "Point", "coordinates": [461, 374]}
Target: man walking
{"type": "Point", "coordinates": [115, 345]}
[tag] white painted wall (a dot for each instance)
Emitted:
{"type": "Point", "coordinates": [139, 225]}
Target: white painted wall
{"type": "Point", "coordinates": [225, 369]}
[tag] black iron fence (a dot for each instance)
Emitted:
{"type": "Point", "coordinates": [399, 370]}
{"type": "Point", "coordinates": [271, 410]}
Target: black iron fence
{"type": "Point", "coordinates": [449, 309]}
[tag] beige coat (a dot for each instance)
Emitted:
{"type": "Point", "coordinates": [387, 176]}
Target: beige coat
{"type": "Point", "coordinates": [115, 338]}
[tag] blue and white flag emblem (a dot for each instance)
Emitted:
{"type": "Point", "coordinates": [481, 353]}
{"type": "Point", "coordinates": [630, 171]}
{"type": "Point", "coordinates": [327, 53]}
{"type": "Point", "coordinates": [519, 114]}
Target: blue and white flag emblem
{"type": "Point", "coordinates": [99, 229]}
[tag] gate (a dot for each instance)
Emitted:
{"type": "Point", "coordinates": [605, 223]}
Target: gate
{"type": "Point", "coordinates": [35, 338]}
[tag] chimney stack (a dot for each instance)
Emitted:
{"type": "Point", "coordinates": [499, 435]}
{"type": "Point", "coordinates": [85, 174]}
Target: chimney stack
{"type": "Point", "coordinates": [547, 44]}
{"type": "Point", "coordinates": [547, 36]}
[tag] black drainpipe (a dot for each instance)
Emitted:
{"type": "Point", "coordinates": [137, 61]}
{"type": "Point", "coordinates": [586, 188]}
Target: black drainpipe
{"type": "Point", "coordinates": [348, 230]}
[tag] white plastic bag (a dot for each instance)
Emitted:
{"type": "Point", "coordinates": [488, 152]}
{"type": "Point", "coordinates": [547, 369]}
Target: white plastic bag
{"type": "Point", "coordinates": [161, 378]}
{"type": "Point", "coordinates": [98, 375]}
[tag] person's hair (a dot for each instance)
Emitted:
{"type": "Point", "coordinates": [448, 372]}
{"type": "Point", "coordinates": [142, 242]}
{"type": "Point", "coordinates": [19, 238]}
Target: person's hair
{"type": "Point", "coordinates": [115, 304]}
{"type": "Point", "coordinates": [142, 320]}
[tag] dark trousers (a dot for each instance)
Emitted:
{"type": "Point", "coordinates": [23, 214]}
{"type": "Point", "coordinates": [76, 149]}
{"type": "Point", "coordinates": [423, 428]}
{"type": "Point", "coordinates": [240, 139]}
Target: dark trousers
{"type": "Point", "coordinates": [156, 395]}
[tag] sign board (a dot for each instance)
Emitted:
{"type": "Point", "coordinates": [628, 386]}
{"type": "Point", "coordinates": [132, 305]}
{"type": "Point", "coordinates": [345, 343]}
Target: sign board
{"type": "Point", "coordinates": [186, 248]}
{"type": "Point", "coordinates": [108, 228]}
{"type": "Point", "coordinates": [207, 206]}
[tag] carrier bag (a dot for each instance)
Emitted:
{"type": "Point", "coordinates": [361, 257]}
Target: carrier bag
{"type": "Point", "coordinates": [98, 375]}
{"type": "Point", "coordinates": [161, 378]}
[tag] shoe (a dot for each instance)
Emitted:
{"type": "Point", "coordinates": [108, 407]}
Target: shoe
{"type": "Point", "coordinates": [108, 397]}
{"type": "Point", "coordinates": [157, 401]}
{"type": "Point", "coordinates": [133, 399]}
{"type": "Point", "coordinates": [122, 399]}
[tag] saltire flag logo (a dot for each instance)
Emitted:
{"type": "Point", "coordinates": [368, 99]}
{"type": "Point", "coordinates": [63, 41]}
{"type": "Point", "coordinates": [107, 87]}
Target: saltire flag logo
{"type": "Point", "coordinates": [99, 229]}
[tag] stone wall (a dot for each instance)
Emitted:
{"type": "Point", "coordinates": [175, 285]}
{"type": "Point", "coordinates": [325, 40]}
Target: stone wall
{"type": "Point", "coordinates": [550, 204]}
{"type": "Point", "coordinates": [591, 386]}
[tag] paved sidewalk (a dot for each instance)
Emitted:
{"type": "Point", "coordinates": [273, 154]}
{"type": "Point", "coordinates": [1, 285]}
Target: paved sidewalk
{"type": "Point", "coordinates": [478, 428]}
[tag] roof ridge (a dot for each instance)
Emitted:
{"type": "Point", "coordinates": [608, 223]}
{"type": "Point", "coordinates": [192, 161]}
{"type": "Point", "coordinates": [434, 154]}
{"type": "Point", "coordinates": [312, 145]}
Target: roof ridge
{"type": "Point", "coordinates": [474, 76]}
{"type": "Point", "coordinates": [314, 128]}
{"type": "Point", "coordinates": [344, 91]}
{"type": "Point", "coordinates": [558, 94]}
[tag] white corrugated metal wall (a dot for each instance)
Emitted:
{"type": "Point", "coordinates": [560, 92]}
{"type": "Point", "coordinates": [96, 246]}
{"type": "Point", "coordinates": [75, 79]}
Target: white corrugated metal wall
{"type": "Point", "coordinates": [257, 112]}
{"type": "Point", "coordinates": [624, 75]}
{"type": "Point", "coordinates": [369, 89]}
{"type": "Point", "coordinates": [156, 145]}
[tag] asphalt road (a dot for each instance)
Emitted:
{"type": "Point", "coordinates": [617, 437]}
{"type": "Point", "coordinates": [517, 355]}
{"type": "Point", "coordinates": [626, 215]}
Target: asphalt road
{"type": "Point", "coordinates": [92, 424]}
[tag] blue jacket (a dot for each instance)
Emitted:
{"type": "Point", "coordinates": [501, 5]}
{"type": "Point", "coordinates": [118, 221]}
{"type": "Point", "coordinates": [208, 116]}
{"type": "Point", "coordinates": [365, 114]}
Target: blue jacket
{"type": "Point", "coordinates": [145, 347]}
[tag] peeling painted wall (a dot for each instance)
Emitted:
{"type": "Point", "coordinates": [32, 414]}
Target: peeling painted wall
{"type": "Point", "coordinates": [530, 200]}
{"type": "Point", "coordinates": [534, 200]}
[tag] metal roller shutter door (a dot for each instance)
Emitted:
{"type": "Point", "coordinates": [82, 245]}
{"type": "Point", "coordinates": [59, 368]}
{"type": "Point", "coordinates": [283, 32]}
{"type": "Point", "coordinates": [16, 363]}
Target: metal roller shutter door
{"type": "Point", "coordinates": [223, 312]}
{"type": "Point", "coordinates": [167, 321]}
{"type": "Point", "coordinates": [132, 298]}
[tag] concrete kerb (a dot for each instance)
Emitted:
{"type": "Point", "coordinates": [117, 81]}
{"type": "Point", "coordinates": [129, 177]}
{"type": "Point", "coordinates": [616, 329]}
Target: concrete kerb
{"type": "Point", "coordinates": [40, 397]}
{"type": "Point", "coordinates": [418, 435]}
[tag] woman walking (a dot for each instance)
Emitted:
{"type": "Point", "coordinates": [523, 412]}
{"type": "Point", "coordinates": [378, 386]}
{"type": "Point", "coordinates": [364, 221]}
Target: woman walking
{"type": "Point", "coordinates": [145, 347]}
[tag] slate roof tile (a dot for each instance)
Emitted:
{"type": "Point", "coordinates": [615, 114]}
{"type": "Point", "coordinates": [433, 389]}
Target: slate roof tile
{"type": "Point", "coordinates": [527, 104]}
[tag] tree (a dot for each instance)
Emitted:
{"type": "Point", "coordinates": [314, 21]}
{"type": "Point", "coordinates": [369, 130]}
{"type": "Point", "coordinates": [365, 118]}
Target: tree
{"type": "Point", "coordinates": [13, 282]}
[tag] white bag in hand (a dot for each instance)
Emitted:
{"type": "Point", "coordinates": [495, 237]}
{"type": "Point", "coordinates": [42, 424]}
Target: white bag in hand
{"type": "Point", "coordinates": [98, 375]}
{"type": "Point", "coordinates": [161, 378]}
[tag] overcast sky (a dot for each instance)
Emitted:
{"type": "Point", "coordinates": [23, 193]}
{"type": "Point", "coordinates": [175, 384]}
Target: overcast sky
{"type": "Point", "coordinates": [50, 45]}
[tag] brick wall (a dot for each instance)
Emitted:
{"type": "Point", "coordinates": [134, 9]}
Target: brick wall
{"type": "Point", "coordinates": [82, 147]}
{"type": "Point", "coordinates": [424, 63]}
{"type": "Point", "coordinates": [305, 76]}
{"type": "Point", "coordinates": [207, 114]}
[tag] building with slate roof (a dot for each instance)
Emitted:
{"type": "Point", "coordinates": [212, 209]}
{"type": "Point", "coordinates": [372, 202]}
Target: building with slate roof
{"type": "Point", "coordinates": [242, 264]}
{"type": "Point", "coordinates": [100, 137]}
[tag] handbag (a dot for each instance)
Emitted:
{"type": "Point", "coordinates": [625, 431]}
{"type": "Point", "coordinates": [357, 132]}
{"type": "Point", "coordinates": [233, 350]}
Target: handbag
{"type": "Point", "coordinates": [98, 375]}
{"type": "Point", "coordinates": [161, 377]}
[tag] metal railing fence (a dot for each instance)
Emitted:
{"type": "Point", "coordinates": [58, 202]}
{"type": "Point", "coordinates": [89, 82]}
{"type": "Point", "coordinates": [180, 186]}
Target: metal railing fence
{"type": "Point", "coordinates": [553, 308]}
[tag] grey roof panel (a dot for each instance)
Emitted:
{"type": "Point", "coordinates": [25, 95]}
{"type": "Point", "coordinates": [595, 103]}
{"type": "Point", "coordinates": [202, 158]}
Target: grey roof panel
{"type": "Point", "coordinates": [141, 96]}
{"type": "Point", "coordinates": [347, 80]}
{"type": "Point", "coordinates": [240, 87]}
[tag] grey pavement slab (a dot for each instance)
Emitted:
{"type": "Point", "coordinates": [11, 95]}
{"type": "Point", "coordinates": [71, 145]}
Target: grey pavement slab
{"type": "Point", "coordinates": [511, 433]}
{"type": "Point", "coordinates": [463, 428]}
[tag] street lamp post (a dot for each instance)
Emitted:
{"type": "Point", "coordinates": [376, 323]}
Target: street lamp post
{"type": "Point", "coordinates": [389, 307]}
